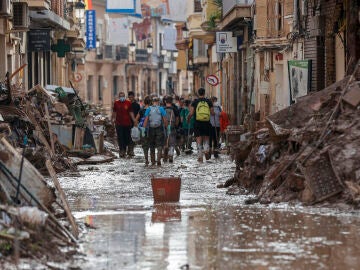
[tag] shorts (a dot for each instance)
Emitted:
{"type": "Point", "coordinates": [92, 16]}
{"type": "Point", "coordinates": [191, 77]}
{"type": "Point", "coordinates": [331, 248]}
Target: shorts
{"type": "Point", "coordinates": [202, 129]}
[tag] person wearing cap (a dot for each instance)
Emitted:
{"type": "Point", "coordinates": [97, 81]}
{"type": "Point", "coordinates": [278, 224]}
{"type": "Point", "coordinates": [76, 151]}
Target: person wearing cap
{"type": "Point", "coordinates": [155, 121]}
{"type": "Point", "coordinates": [123, 119]}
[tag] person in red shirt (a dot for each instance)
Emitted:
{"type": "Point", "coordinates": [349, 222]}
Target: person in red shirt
{"type": "Point", "coordinates": [224, 122]}
{"type": "Point", "coordinates": [123, 118]}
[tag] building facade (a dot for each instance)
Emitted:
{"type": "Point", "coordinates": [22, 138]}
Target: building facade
{"type": "Point", "coordinates": [42, 38]}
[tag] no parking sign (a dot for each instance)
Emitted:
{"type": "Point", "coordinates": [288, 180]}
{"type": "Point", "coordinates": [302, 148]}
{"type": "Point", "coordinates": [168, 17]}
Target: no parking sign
{"type": "Point", "coordinates": [212, 80]}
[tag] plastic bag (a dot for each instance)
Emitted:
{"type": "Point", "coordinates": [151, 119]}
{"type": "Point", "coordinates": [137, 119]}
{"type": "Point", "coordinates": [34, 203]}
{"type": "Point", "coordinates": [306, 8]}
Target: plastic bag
{"type": "Point", "coordinates": [135, 134]}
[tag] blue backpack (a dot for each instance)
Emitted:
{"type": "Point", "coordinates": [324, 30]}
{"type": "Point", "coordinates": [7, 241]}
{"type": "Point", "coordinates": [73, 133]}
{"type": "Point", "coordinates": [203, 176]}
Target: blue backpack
{"type": "Point", "coordinates": [155, 117]}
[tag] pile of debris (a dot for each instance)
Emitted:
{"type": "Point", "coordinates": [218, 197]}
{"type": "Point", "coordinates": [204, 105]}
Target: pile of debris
{"type": "Point", "coordinates": [309, 151]}
{"type": "Point", "coordinates": [40, 131]}
{"type": "Point", "coordinates": [30, 211]}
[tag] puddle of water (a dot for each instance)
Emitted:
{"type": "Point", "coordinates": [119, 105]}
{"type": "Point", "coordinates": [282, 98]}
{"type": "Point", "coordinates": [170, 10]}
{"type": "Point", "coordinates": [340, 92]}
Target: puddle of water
{"type": "Point", "coordinates": [206, 229]}
{"type": "Point", "coordinates": [170, 236]}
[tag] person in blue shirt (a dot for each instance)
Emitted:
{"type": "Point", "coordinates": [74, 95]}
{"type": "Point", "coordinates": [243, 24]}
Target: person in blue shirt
{"type": "Point", "coordinates": [155, 121]}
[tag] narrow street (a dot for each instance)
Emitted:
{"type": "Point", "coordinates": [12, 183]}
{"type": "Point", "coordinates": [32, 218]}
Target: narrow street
{"type": "Point", "coordinates": [207, 229]}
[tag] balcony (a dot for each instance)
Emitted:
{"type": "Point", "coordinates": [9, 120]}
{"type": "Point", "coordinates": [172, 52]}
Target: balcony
{"type": "Point", "coordinates": [141, 55]}
{"type": "Point", "coordinates": [39, 4]}
{"type": "Point", "coordinates": [228, 5]}
{"type": "Point", "coordinates": [194, 25]}
{"type": "Point", "coordinates": [235, 11]}
{"type": "Point", "coordinates": [47, 18]}
{"type": "Point", "coordinates": [122, 53]}
{"type": "Point", "coordinates": [200, 52]}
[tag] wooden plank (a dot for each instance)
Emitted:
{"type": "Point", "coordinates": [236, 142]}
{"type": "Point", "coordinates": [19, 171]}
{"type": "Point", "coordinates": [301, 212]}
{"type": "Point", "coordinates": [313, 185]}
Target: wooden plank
{"type": "Point", "coordinates": [47, 115]}
{"type": "Point", "coordinates": [38, 129]}
{"type": "Point", "coordinates": [79, 137]}
{"type": "Point", "coordinates": [52, 173]}
{"type": "Point", "coordinates": [30, 179]}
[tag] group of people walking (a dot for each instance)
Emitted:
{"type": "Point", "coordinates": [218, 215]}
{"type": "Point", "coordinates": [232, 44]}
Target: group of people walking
{"type": "Point", "coordinates": [168, 126]}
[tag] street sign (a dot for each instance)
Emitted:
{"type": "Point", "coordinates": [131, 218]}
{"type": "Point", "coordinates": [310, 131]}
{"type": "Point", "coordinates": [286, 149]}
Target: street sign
{"type": "Point", "coordinates": [226, 43]}
{"type": "Point", "coordinates": [212, 80]}
{"type": "Point", "coordinates": [90, 29]}
{"type": "Point", "coordinates": [38, 40]}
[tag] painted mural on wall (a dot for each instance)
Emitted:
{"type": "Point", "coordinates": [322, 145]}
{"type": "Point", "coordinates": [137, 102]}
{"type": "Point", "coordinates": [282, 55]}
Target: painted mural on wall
{"type": "Point", "coordinates": [155, 8]}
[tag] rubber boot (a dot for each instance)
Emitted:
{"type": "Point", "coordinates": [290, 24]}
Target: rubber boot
{"type": "Point", "coordinates": [152, 156]}
{"type": "Point", "coordinates": [122, 154]}
{"type": "Point", "coordinates": [206, 151]}
{"type": "Point", "coordinates": [146, 154]}
{"type": "Point", "coordinates": [130, 151]}
{"type": "Point", "coordinates": [171, 154]}
{"type": "Point", "coordinates": [159, 149]}
{"type": "Point", "coordinates": [177, 149]}
{"type": "Point", "coordinates": [200, 153]}
{"type": "Point", "coordinates": [165, 154]}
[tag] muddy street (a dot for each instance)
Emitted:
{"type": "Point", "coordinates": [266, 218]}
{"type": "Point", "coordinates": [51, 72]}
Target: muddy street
{"type": "Point", "coordinates": [207, 229]}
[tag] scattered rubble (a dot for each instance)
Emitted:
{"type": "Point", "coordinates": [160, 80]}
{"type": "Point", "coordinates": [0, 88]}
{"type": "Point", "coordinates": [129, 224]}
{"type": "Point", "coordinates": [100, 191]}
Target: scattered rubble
{"type": "Point", "coordinates": [308, 151]}
{"type": "Point", "coordinates": [43, 131]}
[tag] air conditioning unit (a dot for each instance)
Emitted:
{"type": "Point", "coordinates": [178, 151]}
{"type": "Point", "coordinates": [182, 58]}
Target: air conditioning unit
{"type": "Point", "coordinates": [5, 8]}
{"type": "Point", "coordinates": [20, 15]}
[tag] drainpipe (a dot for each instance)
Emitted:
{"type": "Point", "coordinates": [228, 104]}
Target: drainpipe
{"type": "Point", "coordinates": [296, 15]}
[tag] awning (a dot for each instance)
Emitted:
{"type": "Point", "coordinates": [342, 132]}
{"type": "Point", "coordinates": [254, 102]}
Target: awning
{"type": "Point", "coordinates": [48, 18]}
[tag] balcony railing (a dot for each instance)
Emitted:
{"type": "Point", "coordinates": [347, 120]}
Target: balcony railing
{"type": "Point", "coordinates": [122, 53]}
{"type": "Point", "coordinates": [230, 4]}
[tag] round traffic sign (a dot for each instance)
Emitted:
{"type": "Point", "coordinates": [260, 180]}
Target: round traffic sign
{"type": "Point", "coordinates": [212, 80]}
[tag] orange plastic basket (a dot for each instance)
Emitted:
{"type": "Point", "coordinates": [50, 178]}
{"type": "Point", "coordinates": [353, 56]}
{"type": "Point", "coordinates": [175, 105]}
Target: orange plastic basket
{"type": "Point", "coordinates": [166, 189]}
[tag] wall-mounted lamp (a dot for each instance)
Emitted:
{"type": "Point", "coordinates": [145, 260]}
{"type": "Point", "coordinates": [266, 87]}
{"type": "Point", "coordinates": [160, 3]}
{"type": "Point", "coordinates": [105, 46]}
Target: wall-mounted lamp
{"type": "Point", "coordinates": [149, 48]}
{"type": "Point", "coordinates": [163, 52]}
{"type": "Point", "coordinates": [185, 32]}
{"type": "Point", "coordinates": [132, 47]}
{"type": "Point", "coordinates": [80, 11]}
{"type": "Point", "coordinates": [166, 64]}
{"type": "Point", "coordinates": [175, 54]}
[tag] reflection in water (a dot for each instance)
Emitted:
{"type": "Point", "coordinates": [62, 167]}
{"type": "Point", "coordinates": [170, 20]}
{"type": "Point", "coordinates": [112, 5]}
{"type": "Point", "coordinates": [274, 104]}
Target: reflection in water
{"type": "Point", "coordinates": [206, 230]}
{"type": "Point", "coordinates": [165, 212]}
{"type": "Point", "coordinates": [222, 238]}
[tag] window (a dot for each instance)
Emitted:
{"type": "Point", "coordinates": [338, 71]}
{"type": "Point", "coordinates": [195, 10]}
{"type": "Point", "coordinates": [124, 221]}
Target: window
{"type": "Point", "coordinates": [279, 15]}
{"type": "Point", "coordinates": [100, 80]}
{"type": "Point", "coordinates": [39, 71]}
{"type": "Point", "coordinates": [197, 6]}
{"type": "Point", "coordinates": [90, 89]}
{"type": "Point", "coordinates": [200, 48]}
{"type": "Point", "coordinates": [115, 86]}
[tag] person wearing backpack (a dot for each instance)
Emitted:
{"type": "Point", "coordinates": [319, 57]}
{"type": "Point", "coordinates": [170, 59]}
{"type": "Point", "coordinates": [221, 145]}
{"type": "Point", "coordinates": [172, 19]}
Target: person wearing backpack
{"type": "Point", "coordinates": [188, 128]}
{"type": "Point", "coordinates": [172, 117]}
{"type": "Point", "coordinates": [123, 118]}
{"type": "Point", "coordinates": [155, 121]}
{"type": "Point", "coordinates": [202, 109]}
{"type": "Point", "coordinates": [215, 128]}
{"type": "Point", "coordinates": [145, 139]}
